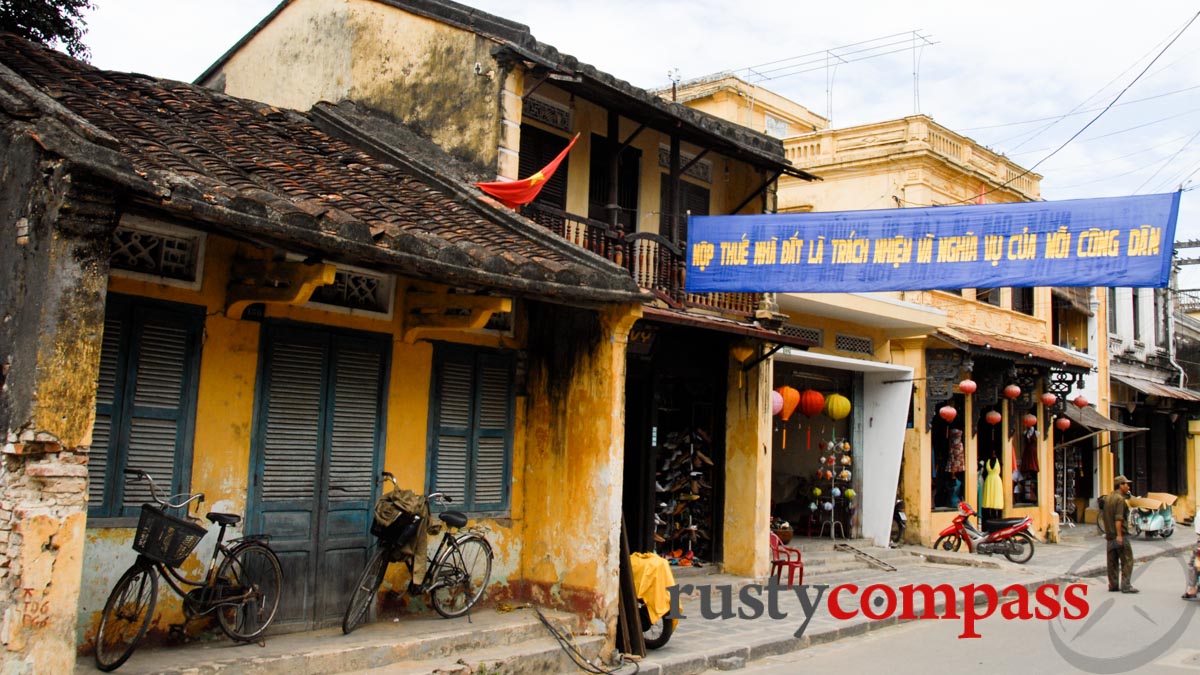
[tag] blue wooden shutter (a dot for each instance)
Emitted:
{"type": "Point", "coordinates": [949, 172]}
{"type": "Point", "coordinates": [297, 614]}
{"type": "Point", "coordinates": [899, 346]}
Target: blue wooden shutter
{"type": "Point", "coordinates": [358, 378]}
{"type": "Point", "coordinates": [145, 402]}
{"type": "Point", "coordinates": [493, 435]}
{"type": "Point", "coordinates": [452, 457]}
{"type": "Point", "coordinates": [292, 437]}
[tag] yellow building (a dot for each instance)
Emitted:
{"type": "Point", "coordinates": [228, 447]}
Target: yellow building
{"type": "Point", "coordinates": [1043, 340]}
{"type": "Point", "coordinates": [696, 389]}
{"type": "Point", "coordinates": [242, 304]}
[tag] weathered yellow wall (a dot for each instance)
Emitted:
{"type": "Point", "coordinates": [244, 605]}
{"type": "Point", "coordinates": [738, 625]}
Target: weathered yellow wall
{"type": "Point", "coordinates": [746, 523]}
{"type": "Point", "coordinates": [574, 461]}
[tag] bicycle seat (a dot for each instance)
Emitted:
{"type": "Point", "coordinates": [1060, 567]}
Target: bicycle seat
{"type": "Point", "coordinates": [453, 518]}
{"type": "Point", "coordinates": [223, 518]}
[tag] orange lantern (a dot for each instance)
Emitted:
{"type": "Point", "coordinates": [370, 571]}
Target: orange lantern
{"type": "Point", "coordinates": [948, 413]}
{"type": "Point", "coordinates": [1029, 420]}
{"type": "Point", "coordinates": [1012, 391]}
{"type": "Point", "coordinates": [791, 398]}
{"type": "Point", "coordinates": [1080, 401]}
{"type": "Point", "coordinates": [1049, 399]}
{"type": "Point", "coordinates": [811, 404]}
{"type": "Point", "coordinates": [993, 417]}
{"type": "Point", "coordinates": [1062, 423]}
{"type": "Point", "coordinates": [967, 386]}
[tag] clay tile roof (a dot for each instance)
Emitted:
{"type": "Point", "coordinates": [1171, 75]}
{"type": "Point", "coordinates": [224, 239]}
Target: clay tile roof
{"type": "Point", "coordinates": [275, 174]}
{"type": "Point", "coordinates": [1013, 348]}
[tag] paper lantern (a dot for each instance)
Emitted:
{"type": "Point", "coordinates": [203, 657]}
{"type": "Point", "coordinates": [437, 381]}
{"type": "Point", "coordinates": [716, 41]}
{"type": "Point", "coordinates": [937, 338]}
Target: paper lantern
{"type": "Point", "coordinates": [849, 493]}
{"type": "Point", "coordinates": [993, 417]}
{"type": "Point", "coordinates": [829, 446]}
{"type": "Point", "coordinates": [837, 407]}
{"type": "Point", "coordinates": [812, 506]}
{"type": "Point", "coordinates": [845, 446]}
{"type": "Point", "coordinates": [1012, 391]}
{"type": "Point", "coordinates": [846, 459]}
{"type": "Point", "coordinates": [1029, 420]}
{"type": "Point", "coordinates": [967, 386]}
{"type": "Point", "coordinates": [836, 492]}
{"type": "Point", "coordinates": [1049, 399]}
{"type": "Point", "coordinates": [816, 492]}
{"type": "Point", "coordinates": [828, 506]}
{"type": "Point", "coordinates": [822, 460]}
{"type": "Point", "coordinates": [1062, 423]}
{"type": "Point", "coordinates": [828, 475]}
{"type": "Point", "coordinates": [846, 476]}
{"type": "Point", "coordinates": [1080, 401]}
{"type": "Point", "coordinates": [776, 402]}
{"type": "Point", "coordinates": [791, 399]}
{"type": "Point", "coordinates": [831, 459]}
{"type": "Point", "coordinates": [811, 404]}
{"type": "Point", "coordinates": [948, 413]}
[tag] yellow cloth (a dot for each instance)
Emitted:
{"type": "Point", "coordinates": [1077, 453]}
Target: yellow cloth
{"type": "Point", "coordinates": [651, 577]}
{"type": "Point", "coordinates": [993, 486]}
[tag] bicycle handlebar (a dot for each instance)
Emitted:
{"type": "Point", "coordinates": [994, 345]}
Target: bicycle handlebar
{"type": "Point", "coordinates": [137, 474]}
{"type": "Point", "coordinates": [433, 496]}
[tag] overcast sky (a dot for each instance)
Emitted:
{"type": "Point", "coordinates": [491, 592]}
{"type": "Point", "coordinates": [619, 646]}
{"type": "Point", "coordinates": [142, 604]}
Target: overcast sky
{"type": "Point", "coordinates": [1018, 77]}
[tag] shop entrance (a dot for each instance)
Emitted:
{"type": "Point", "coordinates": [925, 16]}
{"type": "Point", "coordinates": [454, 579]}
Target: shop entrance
{"type": "Point", "coordinates": [674, 442]}
{"type": "Point", "coordinates": [814, 467]}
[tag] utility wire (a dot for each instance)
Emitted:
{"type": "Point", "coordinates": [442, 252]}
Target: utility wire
{"type": "Point", "coordinates": [1093, 121]}
{"type": "Point", "coordinates": [1166, 163]}
{"type": "Point", "coordinates": [1078, 112]}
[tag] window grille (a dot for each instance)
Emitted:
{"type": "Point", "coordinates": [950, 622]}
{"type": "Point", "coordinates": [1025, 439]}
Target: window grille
{"type": "Point", "coordinates": [853, 343]}
{"type": "Point", "coordinates": [356, 290]}
{"type": "Point", "coordinates": [157, 253]}
{"type": "Point", "coordinates": [814, 335]}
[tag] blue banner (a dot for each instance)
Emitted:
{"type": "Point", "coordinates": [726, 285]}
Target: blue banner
{"type": "Point", "coordinates": [1116, 241]}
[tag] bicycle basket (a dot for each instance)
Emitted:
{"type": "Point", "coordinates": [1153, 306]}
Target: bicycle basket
{"type": "Point", "coordinates": [165, 538]}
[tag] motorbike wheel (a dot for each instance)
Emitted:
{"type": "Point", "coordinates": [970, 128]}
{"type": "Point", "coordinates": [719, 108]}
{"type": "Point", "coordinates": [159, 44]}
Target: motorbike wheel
{"type": "Point", "coordinates": [1024, 544]}
{"type": "Point", "coordinates": [897, 532]}
{"type": "Point", "coordinates": [1166, 531]}
{"type": "Point", "coordinates": [948, 542]}
{"type": "Point", "coordinates": [655, 634]}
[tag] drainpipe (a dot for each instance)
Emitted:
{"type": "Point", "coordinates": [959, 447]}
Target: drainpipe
{"type": "Point", "coordinates": [1172, 298]}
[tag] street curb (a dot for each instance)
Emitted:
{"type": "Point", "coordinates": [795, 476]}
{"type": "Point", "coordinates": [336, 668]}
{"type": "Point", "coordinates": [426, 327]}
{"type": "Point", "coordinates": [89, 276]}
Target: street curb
{"type": "Point", "coordinates": [695, 663]}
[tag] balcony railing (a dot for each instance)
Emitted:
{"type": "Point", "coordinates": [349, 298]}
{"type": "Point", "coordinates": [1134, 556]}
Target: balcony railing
{"type": "Point", "coordinates": [654, 262]}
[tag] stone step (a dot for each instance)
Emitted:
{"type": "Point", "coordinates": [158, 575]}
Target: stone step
{"type": "Point", "coordinates": [412, 641]}
{"type": "Point", "coordinates": [541, 656]}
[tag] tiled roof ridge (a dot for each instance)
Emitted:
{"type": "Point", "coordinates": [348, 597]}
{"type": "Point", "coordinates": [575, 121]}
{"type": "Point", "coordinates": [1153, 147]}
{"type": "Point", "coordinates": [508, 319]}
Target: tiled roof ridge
{"type": "Point", "coordinates": [238, 156]}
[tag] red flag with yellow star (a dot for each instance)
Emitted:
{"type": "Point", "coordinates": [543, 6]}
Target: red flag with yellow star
{"type": "Point", "coordinates": [513, 193]}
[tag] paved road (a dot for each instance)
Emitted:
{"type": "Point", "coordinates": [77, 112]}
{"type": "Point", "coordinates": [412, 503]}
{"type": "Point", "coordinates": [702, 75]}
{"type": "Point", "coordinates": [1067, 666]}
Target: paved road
{"type": "Point", "coordinates": [1151, 632]}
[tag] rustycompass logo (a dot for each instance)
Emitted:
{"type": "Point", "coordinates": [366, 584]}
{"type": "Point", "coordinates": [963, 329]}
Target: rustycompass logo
{"type": "Point", "coordinates": [967, 604]}
{"type": "Point", "coordinates": [1145, 634]}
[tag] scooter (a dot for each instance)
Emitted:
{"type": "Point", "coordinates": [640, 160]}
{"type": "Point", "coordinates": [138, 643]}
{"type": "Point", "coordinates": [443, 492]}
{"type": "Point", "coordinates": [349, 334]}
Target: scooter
{"type": "Point", "coordinates": [1153, 514]}
{"type": "Point", "coordinates": [1009, 536]}
{"type": "Point", "coordinates": [899, 523]}
{"type": "Point", "coordinates": [652, 577]}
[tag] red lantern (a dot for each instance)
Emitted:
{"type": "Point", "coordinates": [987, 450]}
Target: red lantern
{"type": "Point", "coordinates": [1012, 391]}
{"type": "Point", "coordinates": [967, 386]}
{"type": "Point", "coordinates": [1049, 399]}
{"type": "Point", "coordinates": [1080, 401]}
{"type": "Point", "coordinates": [1029, 420]}
{"type": "Point", "coordinates": [993, 417]}
{"type": "Point", "coordinates": [1062, 423]}
{"type": "Point", "coordinates": [812, 403]}
{"type": "Point", "coordinates": [948, 413]}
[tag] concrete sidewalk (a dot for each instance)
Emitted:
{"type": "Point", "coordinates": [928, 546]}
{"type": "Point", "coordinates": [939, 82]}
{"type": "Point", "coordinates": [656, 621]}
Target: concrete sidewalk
{"type": "Point", "coordinates": [701, 644]}
{"type": "Point", "coordinates": [516, 642]}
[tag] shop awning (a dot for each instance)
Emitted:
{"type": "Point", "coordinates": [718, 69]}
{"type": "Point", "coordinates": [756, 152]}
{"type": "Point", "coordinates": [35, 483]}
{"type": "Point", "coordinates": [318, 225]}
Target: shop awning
{"type": "Point", "coordinates": [1091, 418]}
{"type": "Point", "coordinates": [987, 344]}
{"type": "Point", "coordinates": [1152, 388]}
{"type": "Point", "coordinates": [683, 318]}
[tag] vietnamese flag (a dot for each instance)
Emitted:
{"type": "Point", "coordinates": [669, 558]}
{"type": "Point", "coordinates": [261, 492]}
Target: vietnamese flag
{"type": "Point", "coordinates": [513, 193]}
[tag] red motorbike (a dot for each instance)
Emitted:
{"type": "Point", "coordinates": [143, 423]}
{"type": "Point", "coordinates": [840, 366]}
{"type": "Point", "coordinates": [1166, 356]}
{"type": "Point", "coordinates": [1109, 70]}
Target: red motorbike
{"type": "Point", "coordinates": [1009, 536]}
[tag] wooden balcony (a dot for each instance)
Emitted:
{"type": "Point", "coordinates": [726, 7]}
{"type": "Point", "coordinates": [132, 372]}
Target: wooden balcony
{"type": "Point", "coordinates": [655, 263]}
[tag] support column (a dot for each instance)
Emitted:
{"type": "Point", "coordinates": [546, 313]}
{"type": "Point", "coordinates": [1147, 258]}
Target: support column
{"type": "Point", "coordinates": [53, 275]}
{"type": "Point", "coordinates": [747, 519]}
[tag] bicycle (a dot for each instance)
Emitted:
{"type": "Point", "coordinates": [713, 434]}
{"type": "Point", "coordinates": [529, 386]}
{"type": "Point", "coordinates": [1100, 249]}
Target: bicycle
{"type": "Point", "coordinates": [457, 573]}
{"type": "Point", "coordinates": [243, 590]}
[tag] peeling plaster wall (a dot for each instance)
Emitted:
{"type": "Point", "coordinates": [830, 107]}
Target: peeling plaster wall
{"type": "Point", "coordinates": [748, 470]}
{"type": "Point", "coordinates": [575, 461]}
{"type": "Point", "coordinates": [53, 261]}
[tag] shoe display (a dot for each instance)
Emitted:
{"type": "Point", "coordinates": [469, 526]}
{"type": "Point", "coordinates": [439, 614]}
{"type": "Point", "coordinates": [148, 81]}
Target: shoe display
{"type": "Point", "coordinates": [685, 482]}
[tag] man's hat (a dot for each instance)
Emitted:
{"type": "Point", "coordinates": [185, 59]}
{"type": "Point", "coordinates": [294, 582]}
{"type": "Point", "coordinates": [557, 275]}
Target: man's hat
{"type": "Point", "coordinates": [1120, 480]}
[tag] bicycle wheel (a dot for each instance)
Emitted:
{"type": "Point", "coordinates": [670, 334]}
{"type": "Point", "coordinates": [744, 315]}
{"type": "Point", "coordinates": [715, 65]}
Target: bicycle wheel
{"type": "Point", "coordinates": [948, 542]}
{"type": "Point", "coordinates": [366, 590]}
{"type": "Point", "coordinates": [249, 570]}
{"type": "Point", "coordinates": [126, 616]}
{"type": "Point", "coordinates": [462, 573]}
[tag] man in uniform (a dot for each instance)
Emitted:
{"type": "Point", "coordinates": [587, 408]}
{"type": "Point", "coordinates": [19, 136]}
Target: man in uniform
{"type": "Point", "coordinates": [1120, 551]}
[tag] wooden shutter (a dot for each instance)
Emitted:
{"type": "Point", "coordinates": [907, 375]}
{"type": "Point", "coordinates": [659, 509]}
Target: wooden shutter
{"type": "Point", "coordinates": [472, 449]}
{"type": "Point", "coordinates": [106, 385]}
{"type": "Point", "coordinates": [493, 435]}
{"type": "Point", "coordinates": [292, 433]}
{"type": "Point", "coordinates": [145, 402]}
{"type": "Point", "coordinates": [452, 454]}
{"type": "Point", "coordinates": [358, 378]}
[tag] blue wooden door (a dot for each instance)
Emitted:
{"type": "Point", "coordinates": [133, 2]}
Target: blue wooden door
{"type": "Point", "coordinates": [318, 440]}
